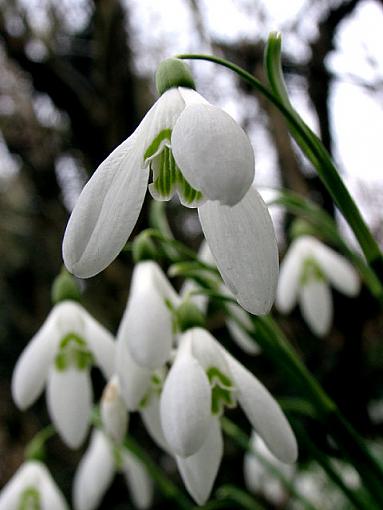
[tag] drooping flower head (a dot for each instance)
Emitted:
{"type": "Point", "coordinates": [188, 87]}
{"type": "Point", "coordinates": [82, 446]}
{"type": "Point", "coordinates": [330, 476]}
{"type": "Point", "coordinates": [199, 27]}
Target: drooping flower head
{"type": "Point", "coordinates": [198, 151]}
{"type": "Point", "coordinates": [204, 380]}
{"type": "Point", "coordinates": [306, 271]}
{"type": "Point", "coordinates": [32, 487]}
{"type": "Point", "coordinates": [60, 356]}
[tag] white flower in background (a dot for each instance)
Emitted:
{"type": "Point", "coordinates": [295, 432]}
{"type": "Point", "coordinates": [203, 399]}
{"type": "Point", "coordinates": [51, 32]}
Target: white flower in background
{"type": "Point", "coordinates": [203, 380]}
{"type": "Point", "coordinates": [306, 272]}
{"type": "Point", "coordinates": [199, 151]}
{"type": "Point", "coordinates": [95, 473]}
{"type": "Point", "coordinates": [32, 487]}
{"type": "Point", "coordinates": [259, 478]}
{"type": "Point", "coordinates": [146, 325]}
{"type": "Point", "coordinates": [60, 356]}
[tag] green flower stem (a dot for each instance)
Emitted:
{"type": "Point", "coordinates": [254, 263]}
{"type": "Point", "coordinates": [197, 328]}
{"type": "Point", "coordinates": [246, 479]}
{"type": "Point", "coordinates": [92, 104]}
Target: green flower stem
{"type": "Point", "coordinates": [359, 499]}
{"type": "Point", "coordinates": [35, 449]}
{"type": "Point", "coordinates": [234, 432]}
{"type": "Point", "coordinates": [271, 339]}
{"type": "Point", "coordinates": [310, 145]}
{"type": "Point", "coordinates": [167, 487]}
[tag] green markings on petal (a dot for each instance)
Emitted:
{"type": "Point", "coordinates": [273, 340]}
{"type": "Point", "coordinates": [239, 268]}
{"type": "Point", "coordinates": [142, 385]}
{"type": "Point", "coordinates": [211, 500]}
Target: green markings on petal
{"type": "Point", "coordinates": [311, 271]}
{"type": "Point", "coordinates": [30, 500]}
{"type": "Point", "coordinates": [73, 352]}
{"type": "Point", "coordinates": [156, 383]}
{"type": "Point", "coordinates": [167, 177]}
{"type": "Point", "coordinates": [155, 146]}
{"type": "Point", "coordinates": [221, 391]}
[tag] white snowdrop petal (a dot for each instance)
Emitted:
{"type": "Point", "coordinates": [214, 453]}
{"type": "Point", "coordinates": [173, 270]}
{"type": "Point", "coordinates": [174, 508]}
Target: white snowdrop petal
{"type": "Point", "coordinates": [94, 473]}
{"type": "Point", "coordinates": [69, 400]}
{"type": "Point", "coordinates": [200, 470]}
{"type": "Point", "coordinates": [101, 343]}
{"type": "Point", "coordinates": [12, 490]}
{"type": "Point", "coordinates": [242, 339]}
{"type": "Point", "coordinates": [51, 496]}
{"type": "Point", "coordinates": [205, 349]}
{"type": "Point", "coordinates": [289, 278]}
{"type": "Point", "coordinates": [134, 379]}
{"type": "Point", "coordinates": [191, 96]}
{"type": "Point", "coordinates": [106, 211]}
{"type": "Point", "coordinates": [31, 370]}
{"type": "Point", "coordinates": [315, 302]}
{"type": "Point", "coordinates": [264, 413]}
{"type": "Point", "coordinates": [113, 412]}
{"type": "Point", "coordinates": [338, 270]}
{"type": "Point", "coordinates": [147, 323]}
{"type": "Point", "coordinates": [139, 484]}
{"type": "Point", "coordinates": [213, 153]}
{"type": "Point", "coordinates": [150, 415]}
{"type": "Point", "coordinates": [243, 243]}
{"type": "Point", "coordinates": [185, 406]}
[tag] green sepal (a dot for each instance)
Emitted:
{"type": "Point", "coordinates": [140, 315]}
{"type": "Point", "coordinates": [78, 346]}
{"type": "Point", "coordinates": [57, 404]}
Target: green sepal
{"type": "Point", "coordinates": [171, 73]}
{"type": "Point", "coordinates": [300, 227]}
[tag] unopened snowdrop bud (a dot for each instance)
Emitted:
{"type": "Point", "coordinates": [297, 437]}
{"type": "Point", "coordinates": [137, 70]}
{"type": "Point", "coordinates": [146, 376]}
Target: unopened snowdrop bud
{"type": "Point", "coordinates": [306, 272]}
{"type": "Point", "coordinates": [32, 488]}
{"type": "Point", "coordinates": [147, 324]}
{"type": "Point", "coordinates": [114, 414]}
{"type": "Point", "coordinates": [173, 72]}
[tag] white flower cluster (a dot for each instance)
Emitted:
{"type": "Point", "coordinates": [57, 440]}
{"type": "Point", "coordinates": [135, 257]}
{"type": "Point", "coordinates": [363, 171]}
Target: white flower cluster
{"type": "Point", "coordinates": [180, 379]}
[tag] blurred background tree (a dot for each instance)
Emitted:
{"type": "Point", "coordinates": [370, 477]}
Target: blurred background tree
{"type": "Point", "coordinates": [76, 77]}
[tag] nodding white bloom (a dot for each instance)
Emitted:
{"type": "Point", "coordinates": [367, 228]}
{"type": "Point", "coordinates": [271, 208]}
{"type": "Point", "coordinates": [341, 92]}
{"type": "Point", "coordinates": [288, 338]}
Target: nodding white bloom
{"type": "Point", "coordinates": [146, 326]}
{"type": "Point", "coordinates": [60, 356]}
{"type": "Point", "coordinates": [32, 487]}
{"type": "Point", "coordinates": [306, 272]}
{"type": "Point", "coordinates": [198, 151]}
{"type": "Point", "coordinates": [203, 380]}
{"type": "Point", "coordinates": [97, 468]}
{"type": "Point", "coordinates": [259, 478]}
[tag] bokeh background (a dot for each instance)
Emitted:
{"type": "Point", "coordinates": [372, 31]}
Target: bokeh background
{"type": "Point", "coordinates": [76, 77]}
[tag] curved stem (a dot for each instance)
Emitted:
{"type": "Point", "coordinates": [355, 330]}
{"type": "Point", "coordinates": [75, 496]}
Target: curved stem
{"type": "Point", "coordinates": [310, 144]}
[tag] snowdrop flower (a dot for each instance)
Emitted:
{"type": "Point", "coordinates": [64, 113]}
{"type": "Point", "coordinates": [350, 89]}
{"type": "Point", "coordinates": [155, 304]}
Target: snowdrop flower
{"type": "Point", "coordinates": [198, 151]}
{"type": "Point", "coordinates": [306, 271]}
{"type": "Point", "coordinates": [97, 468]}
{"type": "Point", "coordinates": [203, 380]}
{"type": "Point", "coordinates": [60, 356]}
{"type": "Point", "coordinates": [260, 479]}
{"type": "Point", "coordinates": [146, 325]}
{"type": "Point", "coordinates": [32, 487]}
